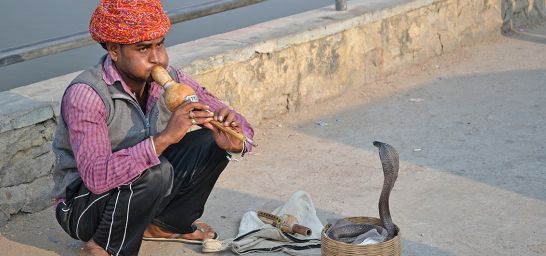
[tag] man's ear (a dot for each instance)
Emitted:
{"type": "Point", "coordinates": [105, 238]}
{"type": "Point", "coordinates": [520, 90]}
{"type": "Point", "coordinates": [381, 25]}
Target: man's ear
{"type": "Point", "coordinates": [113, 50]}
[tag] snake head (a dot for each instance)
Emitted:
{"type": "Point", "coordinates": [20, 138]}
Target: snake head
{"type": "Point", "coordinates": [385, 148]}
{"type": "Point", "coordinates": [378, 144]}
{"type": "Point", "coordinates": [389, 158]}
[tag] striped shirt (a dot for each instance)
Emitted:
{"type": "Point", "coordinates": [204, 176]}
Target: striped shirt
{"type": "Point", "coordinates": [85, 115]}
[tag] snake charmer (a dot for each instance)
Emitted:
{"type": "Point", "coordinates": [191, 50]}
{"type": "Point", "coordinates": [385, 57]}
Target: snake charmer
{"type": "Point", "coordinates": [126, 168]}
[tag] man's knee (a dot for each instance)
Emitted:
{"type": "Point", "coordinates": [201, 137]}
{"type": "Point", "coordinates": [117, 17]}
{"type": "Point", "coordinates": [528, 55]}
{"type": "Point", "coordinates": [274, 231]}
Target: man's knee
{"type": "Point", "coordinates": [199, 139]}
{"type": "Point", "coordinates": [156, 180]}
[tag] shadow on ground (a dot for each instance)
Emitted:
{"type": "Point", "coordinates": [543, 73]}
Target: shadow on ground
{"type": "Point", "coordinates": [410, 248]}
{"type": "Point", "coordinates": [536, 35]}
{"type": "Point", "coordinates": [223, 211]}
{"type": "Point", "coordinates": [484, 127]}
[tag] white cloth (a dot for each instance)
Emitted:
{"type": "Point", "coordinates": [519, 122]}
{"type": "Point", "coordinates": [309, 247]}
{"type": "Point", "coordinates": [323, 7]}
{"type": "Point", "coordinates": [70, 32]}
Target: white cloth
{"type": "Point", "coordinates": [256, 236]}
{"type": "Point", "coordinates": [375, 235]}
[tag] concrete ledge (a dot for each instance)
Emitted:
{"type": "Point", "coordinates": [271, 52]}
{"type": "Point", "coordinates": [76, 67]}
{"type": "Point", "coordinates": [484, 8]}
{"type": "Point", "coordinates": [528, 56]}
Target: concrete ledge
{"type": "Point", "coordinates": [269, 69]}
{"type": "Point", "coordinates": [213, 52]}
{"type": "Point", "coordinates": [31, 104]}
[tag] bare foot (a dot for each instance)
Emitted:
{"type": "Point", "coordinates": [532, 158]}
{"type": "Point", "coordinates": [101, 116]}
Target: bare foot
{"type": "Point", "coordinates": [93, 249]}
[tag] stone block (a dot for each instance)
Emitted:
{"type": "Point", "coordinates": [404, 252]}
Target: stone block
{"type": "Point", "coordinates": [12, 198]}
{"type": "Point", "coordinates": [4, 217]}
{"type": "Point", "coordinates": [27, 154]}
{"type": "Point", "coordinates": [31, 164]}
{"type": "Point", "coordinates": [20, 111]}
{"type": "Point", "coordinates": [38, 195]}
{"type": "Point", "coordinates": [29, 197]}
{"type": "Point", "coordinates": [521, 5]}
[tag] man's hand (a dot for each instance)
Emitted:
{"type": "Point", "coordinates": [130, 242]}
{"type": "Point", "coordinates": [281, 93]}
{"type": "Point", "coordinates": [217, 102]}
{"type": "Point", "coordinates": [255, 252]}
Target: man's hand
{"type": "Point", "coordinates": [186, 115]}
{"type": "Point", "coordinates": [226, 116]}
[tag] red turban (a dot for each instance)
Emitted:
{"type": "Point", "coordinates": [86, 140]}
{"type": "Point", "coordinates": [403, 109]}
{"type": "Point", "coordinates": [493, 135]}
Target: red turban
{"type": "Point", "coordinates": [128, 21]}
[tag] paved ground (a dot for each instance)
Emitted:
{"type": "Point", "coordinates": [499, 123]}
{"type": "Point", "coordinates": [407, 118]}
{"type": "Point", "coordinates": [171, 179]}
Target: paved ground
{"type": "Point", "coordinates": [469, 127]}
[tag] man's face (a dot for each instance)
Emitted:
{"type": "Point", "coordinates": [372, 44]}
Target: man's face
{"type": "Point", "coordinates": [135, 61]}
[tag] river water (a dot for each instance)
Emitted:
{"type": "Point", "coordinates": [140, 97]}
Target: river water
{"type": "Point", "coordinates": [27, 21]}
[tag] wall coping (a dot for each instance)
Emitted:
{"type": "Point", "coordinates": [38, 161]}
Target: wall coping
{"type": "Point", "coordinates": [38, 102]}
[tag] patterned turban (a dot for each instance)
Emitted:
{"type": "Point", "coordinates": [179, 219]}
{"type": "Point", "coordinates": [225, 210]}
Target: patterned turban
{"type": "Point", "coordinates": [128, 21]}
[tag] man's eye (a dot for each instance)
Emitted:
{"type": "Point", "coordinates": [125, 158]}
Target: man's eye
{"type": "Point", "coordinates": [143, 49]}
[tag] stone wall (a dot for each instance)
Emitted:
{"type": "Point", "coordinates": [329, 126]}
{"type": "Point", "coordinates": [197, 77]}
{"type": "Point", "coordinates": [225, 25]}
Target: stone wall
{"type": "Point", "coordinates": [267, 70]}
{"type": "Point", "coordinates": [518, 13]}
{"type": "Point", "coordinates": [25, 182]}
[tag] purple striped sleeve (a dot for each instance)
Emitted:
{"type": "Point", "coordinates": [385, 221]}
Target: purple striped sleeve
{"type": "Point", "coordinates": [215, 104]}
{"type": "Point", "coordinates": [100, 168]}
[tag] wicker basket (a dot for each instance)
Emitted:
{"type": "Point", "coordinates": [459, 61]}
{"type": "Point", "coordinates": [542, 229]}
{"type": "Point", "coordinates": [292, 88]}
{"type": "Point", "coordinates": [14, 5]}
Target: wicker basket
{"type": "Point", "coordinates": [392, 247]}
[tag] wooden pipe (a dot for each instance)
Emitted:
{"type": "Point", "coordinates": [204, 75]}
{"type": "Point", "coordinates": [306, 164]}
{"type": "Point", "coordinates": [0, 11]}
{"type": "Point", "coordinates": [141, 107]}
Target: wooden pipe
{"type": "Point", "coordinates": [177, 93]}
{"type": "Point", "coordinates": [286, 223]}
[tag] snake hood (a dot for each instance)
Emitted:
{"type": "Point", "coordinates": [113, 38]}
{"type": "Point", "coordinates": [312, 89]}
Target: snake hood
{"type": "Point", "coordinates": [389, 161]}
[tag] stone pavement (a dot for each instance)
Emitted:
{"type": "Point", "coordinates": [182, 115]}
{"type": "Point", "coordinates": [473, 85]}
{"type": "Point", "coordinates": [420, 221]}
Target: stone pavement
{"type": "Point", "coordinates": [469, 128]}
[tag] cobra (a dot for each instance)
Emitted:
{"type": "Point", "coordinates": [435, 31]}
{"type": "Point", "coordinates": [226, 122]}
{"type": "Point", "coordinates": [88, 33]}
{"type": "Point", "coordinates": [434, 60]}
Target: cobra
{"type": "Point", "coordinates": [390, 163]}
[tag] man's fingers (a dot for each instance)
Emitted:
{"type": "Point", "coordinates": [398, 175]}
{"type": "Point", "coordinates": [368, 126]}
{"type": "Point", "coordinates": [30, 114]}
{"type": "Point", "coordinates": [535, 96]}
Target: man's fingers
{"type": "Point", "coordinates": [210, 126]}
{"type": "Point", "coordinates": [203, 120]}
{"type": "Point", "coordinates": [188, 106]}
{"type": "Point", "coordinates": [226, 116]}
{"type": "Point", "coordinates": [230, 119]}
{"type": "Point", "coordinates": [200, 114]}
{"type": "Point", "coordinates": [222, 114]}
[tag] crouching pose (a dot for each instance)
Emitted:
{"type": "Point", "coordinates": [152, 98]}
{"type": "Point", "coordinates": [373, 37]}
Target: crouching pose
{"type": "Point", "coordinates": [127, 168]}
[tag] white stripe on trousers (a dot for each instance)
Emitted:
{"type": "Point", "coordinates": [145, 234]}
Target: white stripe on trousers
{"type": "Point", "coordinates": [87, 208]}
{"type": "Point", "coordinates": [112, 222]}
{"type": "Point", "coordinates": [127, 220]}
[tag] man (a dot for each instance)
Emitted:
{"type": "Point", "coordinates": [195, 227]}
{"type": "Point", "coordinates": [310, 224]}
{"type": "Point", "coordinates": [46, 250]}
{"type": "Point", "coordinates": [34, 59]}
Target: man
{"type": "Point", "coordinates": [126, 168]}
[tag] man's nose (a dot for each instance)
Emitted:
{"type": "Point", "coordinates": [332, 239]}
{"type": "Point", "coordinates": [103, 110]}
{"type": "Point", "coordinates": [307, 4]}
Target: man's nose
{"type": "Point", "coordinates": [154, 56]}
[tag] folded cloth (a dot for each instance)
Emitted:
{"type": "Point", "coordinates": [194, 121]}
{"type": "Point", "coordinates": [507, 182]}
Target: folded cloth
{"type": "Point", "coordinates": [256, 236]}
{"type": "Point", "coordinates": [375, 234]}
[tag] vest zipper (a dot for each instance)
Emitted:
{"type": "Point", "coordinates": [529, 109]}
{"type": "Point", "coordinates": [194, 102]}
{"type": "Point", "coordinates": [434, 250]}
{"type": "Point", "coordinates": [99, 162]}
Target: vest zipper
{"type": "Point", "coordinates": [148, 126]}
{"type": "Point", "coordinates": [142, 115]}
{"type": "Point", "coordinates": [144, 118]}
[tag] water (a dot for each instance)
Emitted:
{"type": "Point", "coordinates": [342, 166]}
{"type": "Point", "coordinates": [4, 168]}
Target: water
{"type": "Point", "coordinates": [28, 21]}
